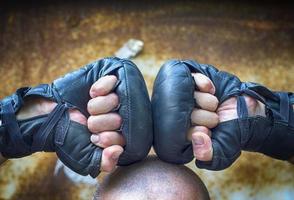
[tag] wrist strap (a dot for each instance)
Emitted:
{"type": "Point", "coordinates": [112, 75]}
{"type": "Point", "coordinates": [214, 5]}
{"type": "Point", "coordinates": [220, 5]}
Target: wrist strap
{"type": "Point", "coordinates": [12, 132]}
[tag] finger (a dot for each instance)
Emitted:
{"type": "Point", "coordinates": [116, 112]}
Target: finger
{"type": "Point", "coordinates": [107, 138]}
{"type": "Point", "coordinates": [203, 83]}
{"type": "Point", "coordinates": [103, 104]}
{"type": "Point", "coordinates": [194, 129]}
{"type": "Point", "coordinates": [103, 86]}
{"type": "Point", "coordinates": [206, 101]}
{"type": "Point", "coordinates": [110, 156]}
{"type": "Point", "coordinates": [104, 122]}
{"type": "Point", "coordinates": [204, 118]}
{"type": "Point", "coordinates": [202, 146]}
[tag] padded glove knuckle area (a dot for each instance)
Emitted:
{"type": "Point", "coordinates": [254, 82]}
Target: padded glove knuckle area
{"type": "Point", "coordinates": [135, 110]}
{"type": "Point", "coordinates": [172, 105]}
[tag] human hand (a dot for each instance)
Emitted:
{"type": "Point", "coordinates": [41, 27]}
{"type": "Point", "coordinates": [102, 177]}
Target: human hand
{"type": "Point", "coordinates": [210, 114]}
{"type": "Point", "coordinates": [218, 133]}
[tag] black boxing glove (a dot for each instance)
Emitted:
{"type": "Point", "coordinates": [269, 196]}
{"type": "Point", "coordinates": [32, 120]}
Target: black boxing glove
{"type": "Point", "coordinates": [70, 140]}
{"type": "Point", "coordinates": [173, 102]}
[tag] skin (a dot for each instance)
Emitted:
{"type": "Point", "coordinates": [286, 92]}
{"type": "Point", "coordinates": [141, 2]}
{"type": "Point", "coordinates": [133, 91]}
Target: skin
{"type": "Point", "coordinates": [152, 179]}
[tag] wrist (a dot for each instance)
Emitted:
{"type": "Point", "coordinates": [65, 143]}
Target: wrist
{"type": "Point", "coordinates": [35, 106]}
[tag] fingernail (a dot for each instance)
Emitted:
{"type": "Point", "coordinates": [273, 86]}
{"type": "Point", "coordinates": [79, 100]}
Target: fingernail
{"type": "Point", "coordinates": [197, 139]}
{"type": "Point", "coordinates": [95, 138]}
{"type": "Point", "coordinates": [116, 155]}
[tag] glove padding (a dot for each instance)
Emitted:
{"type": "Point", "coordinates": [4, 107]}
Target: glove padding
{"type": "Point", "coordinates": [70, 140]}
{"type": "Point", "coordinates": [173, 102]}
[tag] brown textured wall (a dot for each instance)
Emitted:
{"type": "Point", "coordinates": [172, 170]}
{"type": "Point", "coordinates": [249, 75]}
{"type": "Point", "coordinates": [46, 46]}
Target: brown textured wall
{"type": "Point", "coordinates": [39, 42]}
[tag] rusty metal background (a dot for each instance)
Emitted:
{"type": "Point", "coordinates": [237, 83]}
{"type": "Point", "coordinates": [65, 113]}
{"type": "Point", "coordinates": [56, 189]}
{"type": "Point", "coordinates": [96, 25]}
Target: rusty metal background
{"type": "Point", "coordinates": [41, 41]}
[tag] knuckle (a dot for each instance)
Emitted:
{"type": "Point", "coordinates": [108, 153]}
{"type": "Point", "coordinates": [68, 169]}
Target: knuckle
{"type": "Point", "coordinates": [113, 78]}
{"type": "Point", "coordinates": [105, 140]}
{"type": "Point", "coordinates": [106, 154]}
{"type": "Point", "coordinates": [114, 99]}
{"type": "Point", "coordinates": [216, 118]}
{"type": "Point", "coordinates": [123, 142]}
{"type": "Point", "coordinates": [206, 84]}
{"type": "Point", "coordinates": [90, 123]}
{"type": "Point", "coordinates": [99, 89]}
{"type": "Point", "coordinates": [120, 139]}
{"type": "Point", "coordinates": [117, 119]}
{"type": "Point", "coordinates": [214, 121]}
{"type": "Point", "coordinates": [90, 107]}
{"type": "Point", "coordinates": [195, 111]}
{"type": "Point", "coordinates": [214, 102]}
{"type": "Point", "coordinates": [207, 88]}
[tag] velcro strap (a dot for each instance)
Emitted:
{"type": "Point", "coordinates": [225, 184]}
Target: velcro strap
{"type": "Point", "coordinates": [242, 107]}
{"type": "Point", "coordinates": [61, 129]}
{"type": "Point", "coordinates": [10, 123]}
{"type": "Point", "coordinates": [41, 136]}
{"type": "Point", "coordinates": [251, 91]}
{"type": "Point", "coordinates": [261, 90]}
{"type": "Point", "coordinates": [284, 106]}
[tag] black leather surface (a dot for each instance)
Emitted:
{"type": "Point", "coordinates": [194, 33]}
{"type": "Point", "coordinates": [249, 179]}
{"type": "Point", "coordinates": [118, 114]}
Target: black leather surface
{"type": "Point", "coordinates": [172, 105]}
{"type": "Point", "coordinates": [71, 140]}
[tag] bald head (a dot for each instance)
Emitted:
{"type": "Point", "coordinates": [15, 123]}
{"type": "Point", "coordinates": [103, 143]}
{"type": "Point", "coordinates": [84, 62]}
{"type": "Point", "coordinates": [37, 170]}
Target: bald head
{"type": "Point", "coordinates": [152, 179]}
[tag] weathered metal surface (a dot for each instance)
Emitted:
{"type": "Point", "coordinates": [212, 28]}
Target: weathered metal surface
{"type": "Point", "coordinates": [39, 42]}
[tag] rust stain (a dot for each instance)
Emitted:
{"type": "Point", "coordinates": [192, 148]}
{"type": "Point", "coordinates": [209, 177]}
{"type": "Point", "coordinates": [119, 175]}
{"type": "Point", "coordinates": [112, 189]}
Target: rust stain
{"type": "Point", "coordinates": [252, 171]}
{"type": "Point", "coordinates": [41, 41]}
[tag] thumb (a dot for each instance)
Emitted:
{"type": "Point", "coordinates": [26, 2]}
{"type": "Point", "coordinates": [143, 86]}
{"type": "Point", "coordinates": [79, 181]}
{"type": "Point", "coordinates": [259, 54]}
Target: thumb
{"type": "Point", "coordinates": [202, 146]}
{"type": "Point", "coordinates": [110, 156]}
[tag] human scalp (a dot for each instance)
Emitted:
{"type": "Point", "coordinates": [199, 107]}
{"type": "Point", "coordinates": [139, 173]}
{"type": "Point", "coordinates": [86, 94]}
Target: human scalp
{"type": "Point", "coordinates": [152, 179]}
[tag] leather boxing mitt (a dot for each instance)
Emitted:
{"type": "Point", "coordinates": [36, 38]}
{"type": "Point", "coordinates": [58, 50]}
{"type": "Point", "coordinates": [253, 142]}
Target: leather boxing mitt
{"type": "Point", "coordinates": [173, 102]}
{"type": "Point", "coordinates": [70, 140]}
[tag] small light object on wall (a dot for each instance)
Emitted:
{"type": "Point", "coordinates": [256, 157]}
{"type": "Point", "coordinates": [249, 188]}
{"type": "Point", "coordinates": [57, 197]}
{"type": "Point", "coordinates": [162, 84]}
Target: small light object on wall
{"type": "Point", "coordinates": [130, 49]}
